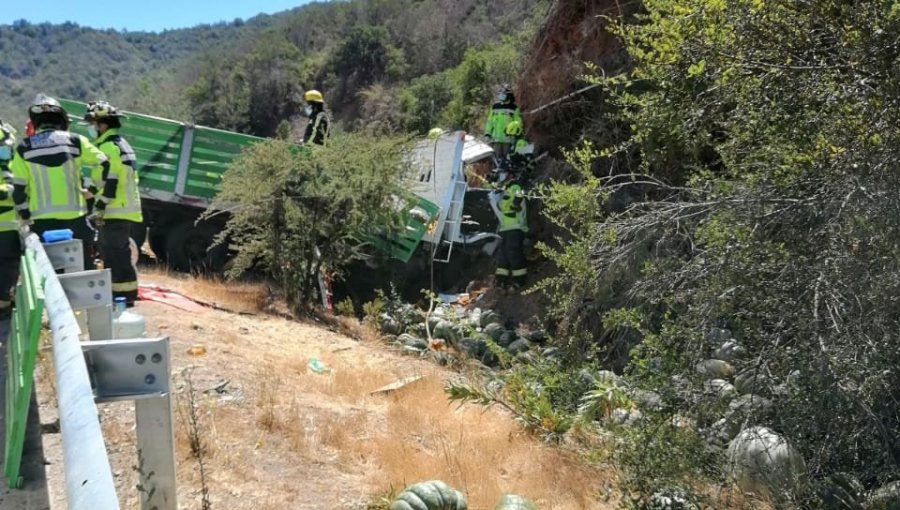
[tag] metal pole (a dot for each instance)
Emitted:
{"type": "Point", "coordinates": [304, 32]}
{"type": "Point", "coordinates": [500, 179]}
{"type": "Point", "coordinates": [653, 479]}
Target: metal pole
{"type": "Point", "coordinates": [89, 481]}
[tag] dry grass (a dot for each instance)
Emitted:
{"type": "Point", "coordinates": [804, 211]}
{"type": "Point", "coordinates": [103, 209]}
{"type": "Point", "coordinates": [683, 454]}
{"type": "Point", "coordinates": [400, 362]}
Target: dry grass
{"type": "Point", "coordinates": [484, 453]}
{"type": "Point", "coordinates": [279, 430]}
{"type": "Point", "coordinates": [415, 434]}
{"type": "Point", "coordinates": [237, 296]}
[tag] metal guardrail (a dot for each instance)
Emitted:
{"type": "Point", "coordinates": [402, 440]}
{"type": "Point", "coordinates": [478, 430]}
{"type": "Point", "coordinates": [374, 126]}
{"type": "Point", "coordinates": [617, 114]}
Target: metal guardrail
{"type": "Point", "coordinates": [102, 370]}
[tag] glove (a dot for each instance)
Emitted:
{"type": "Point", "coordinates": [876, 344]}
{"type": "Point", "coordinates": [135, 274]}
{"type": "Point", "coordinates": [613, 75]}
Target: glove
{"type": "Point", "coordinates": [100, 206]}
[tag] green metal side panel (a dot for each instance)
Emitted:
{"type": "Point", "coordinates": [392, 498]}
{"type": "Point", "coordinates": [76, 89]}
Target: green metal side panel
{"type": "Point", "coordinates": [212, 152]}
{"type": "Point", "coordinates": [402, 245]}
{"type": "Point", "coordinates": [156, 143]}
{"type": "Point", "coordinates": [20, 357]}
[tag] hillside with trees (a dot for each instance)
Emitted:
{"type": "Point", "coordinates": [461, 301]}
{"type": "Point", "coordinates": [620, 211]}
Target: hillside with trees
{"type": "Point", "coordinates": [389, 65]}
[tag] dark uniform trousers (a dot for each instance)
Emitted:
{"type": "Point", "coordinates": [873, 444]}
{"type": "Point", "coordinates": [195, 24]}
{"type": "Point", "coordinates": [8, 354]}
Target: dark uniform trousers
{"type": "Point", "coordinates": [10, 253]}
{"type": "Point", "coordinates": [511, 264]}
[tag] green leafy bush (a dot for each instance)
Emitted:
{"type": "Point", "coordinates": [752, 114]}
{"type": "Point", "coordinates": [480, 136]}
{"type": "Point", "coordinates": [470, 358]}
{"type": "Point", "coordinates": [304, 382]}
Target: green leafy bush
{"type": "Point", "coordinates": [295, 213]}
{"type": "Point", "coordinates": [758, 204]}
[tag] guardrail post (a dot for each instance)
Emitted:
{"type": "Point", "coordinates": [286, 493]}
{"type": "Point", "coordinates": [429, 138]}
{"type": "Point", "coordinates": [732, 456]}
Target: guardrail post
{"type": "Point", "coordinates": [66, 256]}
{"type": "Point", "coordinates": [90, 292]}
{"type": "Point", "coordinates": [139, 370]}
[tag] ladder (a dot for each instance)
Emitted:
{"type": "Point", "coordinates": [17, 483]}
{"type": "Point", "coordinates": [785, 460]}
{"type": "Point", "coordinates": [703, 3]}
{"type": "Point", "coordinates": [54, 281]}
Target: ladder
{"type": "Point", "coordinates": [452, 222]}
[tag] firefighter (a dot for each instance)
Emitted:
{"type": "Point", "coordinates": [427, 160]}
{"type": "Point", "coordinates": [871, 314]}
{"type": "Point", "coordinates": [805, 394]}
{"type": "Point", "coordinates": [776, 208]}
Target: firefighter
{"type": "Point", "coordinates": [508, 203]}
{"type": "Point", "coordinates": [49, 164]}
{"type": "Point", "coordinates": [502, 113]}
{"type": "Point", "coordinates": [318, 128]}
{"type": "Point", "coordinates": [10, 248]}
{"type": "Point", "coordinates": [520, 160]}
{"type": "Point", "coordinates": [118, 206]}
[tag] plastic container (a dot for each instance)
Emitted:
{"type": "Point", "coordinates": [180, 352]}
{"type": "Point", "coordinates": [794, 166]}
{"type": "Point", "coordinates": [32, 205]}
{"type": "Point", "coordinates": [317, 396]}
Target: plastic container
{"type": "Point", "coordinates": [127, 324]}
{"type": "Point", "coordinates": [55, 236]}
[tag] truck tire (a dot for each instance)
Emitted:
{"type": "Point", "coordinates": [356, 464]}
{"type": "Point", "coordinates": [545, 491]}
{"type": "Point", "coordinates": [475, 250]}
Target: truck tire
{"type": "Point", "coordinates": [189, 248]}
{"type": "Point", "coordinates": [158, 242]}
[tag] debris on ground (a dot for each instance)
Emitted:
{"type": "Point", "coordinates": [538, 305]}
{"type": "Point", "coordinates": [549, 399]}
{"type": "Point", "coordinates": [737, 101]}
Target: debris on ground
{"type": "Point", "coordinates": [397, 385]}
{"type": "Point", "coordinates": [150, 292]}
{"type": "Point", "coordinates": [316, 366]}
{"type": "Point", "coordinates": [197, 350]}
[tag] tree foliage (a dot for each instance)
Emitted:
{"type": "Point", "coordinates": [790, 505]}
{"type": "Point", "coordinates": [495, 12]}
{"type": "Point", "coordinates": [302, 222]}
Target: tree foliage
{"type": "Point", "coordinates": [246, 76]}
{"type": "Point", "coordinates": [296, 212]}
{"type": "Point", "coordinates": [761, 202]}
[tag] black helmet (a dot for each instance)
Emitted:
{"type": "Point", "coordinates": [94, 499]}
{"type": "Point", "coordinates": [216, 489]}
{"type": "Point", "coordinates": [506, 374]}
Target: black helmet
{"type": "Point", "coordinates": [46, 111]}
{"type": "Point", "coordinates": [505, 93]}
{"type": "Point", "coordinates": [99, 110]}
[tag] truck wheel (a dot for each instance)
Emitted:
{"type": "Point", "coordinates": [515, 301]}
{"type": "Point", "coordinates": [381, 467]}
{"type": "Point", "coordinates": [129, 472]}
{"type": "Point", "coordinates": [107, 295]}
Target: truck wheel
{"type": "Point", "coordinates": [157, 241]}
{"type": "Point", "coordinates": [190, 248]}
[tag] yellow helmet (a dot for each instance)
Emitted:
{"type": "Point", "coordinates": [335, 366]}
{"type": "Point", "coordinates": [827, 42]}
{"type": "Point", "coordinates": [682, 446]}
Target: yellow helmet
{"type": "Point", "coordinates": [514, 128]}
{"type": "Point", "coordinates": [313, 96]}
{"type": "Point", "coordinates": [435, 133]}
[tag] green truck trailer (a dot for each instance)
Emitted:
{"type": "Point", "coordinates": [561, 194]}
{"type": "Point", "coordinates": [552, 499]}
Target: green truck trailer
{"type": "Point", "coordinates": [181, 165]}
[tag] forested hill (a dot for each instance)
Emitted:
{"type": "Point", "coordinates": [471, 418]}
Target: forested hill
{"type": "Point", "coordinates": [377, 60]}
{"type": "Point", "coordinates": [78, 62]}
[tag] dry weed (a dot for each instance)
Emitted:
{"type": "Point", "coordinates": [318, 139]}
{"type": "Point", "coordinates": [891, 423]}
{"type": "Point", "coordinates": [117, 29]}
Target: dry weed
{"type": "Point", "coordinates": [237, 296]}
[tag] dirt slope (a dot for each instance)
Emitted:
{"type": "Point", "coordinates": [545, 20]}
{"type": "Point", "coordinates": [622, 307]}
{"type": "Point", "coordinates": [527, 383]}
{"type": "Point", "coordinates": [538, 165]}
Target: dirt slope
{"type": "Point", "coordinates": [279, 436]}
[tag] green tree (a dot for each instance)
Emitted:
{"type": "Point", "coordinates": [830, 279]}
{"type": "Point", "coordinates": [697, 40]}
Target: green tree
{"type": "Point", "coordinates": [761, 203]}
{"type": "Point", "coordinates": [274, 88]}
{"type": "Point", "coordinates": [363, 56]}
{"type": "Point", "coordinates": [296, 212]}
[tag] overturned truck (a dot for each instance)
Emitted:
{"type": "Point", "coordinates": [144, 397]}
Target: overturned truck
{"type": "Point", "coordinates": [181, 166]}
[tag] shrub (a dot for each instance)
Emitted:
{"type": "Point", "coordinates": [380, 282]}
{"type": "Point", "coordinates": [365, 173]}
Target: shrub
{"type": "Point", "coordinates": [295, 214]}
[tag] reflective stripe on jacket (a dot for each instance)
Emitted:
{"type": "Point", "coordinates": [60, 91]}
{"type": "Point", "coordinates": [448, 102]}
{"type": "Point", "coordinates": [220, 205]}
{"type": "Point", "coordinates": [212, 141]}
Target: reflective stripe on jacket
{"type": "Point", "coordinates": [510, 208]}
{"type": "Point", "coordinates": [125, 202]}
{"type": "Point", "coordinates": [500, 116]}
{"type": "Point", "coordinates": [49, 162]}
{"type": "Point", "coordinates": [8, 219]}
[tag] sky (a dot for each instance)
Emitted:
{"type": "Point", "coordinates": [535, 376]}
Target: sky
{"type": "Point", "coordinates": [140, 15]}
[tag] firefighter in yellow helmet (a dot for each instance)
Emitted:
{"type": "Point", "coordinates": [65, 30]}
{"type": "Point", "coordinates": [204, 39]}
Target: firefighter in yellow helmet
{"type": "Point", "coordinates": [119, 204]}
{"type": "Point", "coordinates": [10, 247]}
{"type": "Point", "coordinates": [48, 163]}
{"type": "Point", "coordinates": [318, 128]}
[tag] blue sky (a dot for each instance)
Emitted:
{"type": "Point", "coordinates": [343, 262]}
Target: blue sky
{"type": "Point", "coordinates": [140, 15]}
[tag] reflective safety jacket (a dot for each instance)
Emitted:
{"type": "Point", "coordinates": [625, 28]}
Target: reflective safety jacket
{"type": "Point", "coordinates": [500, 116]}
{"type": "Point", "coordinates": [120, 184]}
{"type": "Point", "coordinates": [8, 219]}
{"type": "Point", "coordinates": [49, 164]}
{"type": "Point", "coordinates": [509, 206]}
{"type": "Point", "coordinates": [318, 129]}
